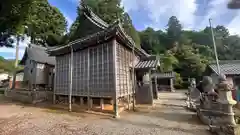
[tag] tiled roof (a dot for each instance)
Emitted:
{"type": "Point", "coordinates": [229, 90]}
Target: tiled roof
{"type": "Point", "coordinates": [93, 36]}
{"type": "Point", "coordinates": [38, 54]}
{"type": "Point", "coordinates": [149, 62]}
{"type": "Point", "coordinates": [227, 67]}
{"type": "Point", "coordinates": [164, 75]}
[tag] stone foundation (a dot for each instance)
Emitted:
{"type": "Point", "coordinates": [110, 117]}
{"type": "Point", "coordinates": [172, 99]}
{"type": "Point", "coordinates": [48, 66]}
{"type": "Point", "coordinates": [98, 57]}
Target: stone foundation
{"type": "Point", "coordinates": [26, 96]}
{"type": "Point", "coordinates": [225, 130]}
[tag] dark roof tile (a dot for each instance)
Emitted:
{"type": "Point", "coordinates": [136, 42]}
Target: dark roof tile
{"type": "Point", "coordinates": [38, 54]}
{"type": "Point", "coordinates": [164, 75]}
{"type": "Point", "coordinates": [227, 67]}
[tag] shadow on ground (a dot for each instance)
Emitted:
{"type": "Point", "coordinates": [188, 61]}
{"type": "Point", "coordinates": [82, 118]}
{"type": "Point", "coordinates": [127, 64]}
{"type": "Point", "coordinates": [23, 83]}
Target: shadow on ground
{"type": "Point", "coordinates": [152, 125]}
{"type": "Point", "coordinates": [57, 109]}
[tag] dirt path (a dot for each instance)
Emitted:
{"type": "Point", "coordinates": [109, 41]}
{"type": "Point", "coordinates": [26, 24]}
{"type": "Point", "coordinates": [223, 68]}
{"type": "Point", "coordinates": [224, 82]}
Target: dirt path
{"type": "Point", "coordinates": [168, 118]}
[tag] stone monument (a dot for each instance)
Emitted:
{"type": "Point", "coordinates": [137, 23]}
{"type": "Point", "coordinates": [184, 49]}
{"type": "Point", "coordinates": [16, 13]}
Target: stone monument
{"type": "Point", "coordinates": [216, 108]}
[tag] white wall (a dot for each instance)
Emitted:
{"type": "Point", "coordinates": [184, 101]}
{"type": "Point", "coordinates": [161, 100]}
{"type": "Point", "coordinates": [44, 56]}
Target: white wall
{"type": "Point", "coordinates": [3, 76]}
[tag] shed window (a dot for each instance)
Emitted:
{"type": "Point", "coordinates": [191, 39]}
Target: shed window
{"type": "Point", "coordinates": [40, 66]}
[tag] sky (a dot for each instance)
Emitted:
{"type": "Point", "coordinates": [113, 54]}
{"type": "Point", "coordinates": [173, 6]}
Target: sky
{"type": "Point", "coordinates": [193, 15]}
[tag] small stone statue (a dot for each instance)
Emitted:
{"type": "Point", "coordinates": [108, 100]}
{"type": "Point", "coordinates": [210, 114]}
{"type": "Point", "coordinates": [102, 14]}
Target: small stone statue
{"type": "Point", "coordinates": [146, 78]}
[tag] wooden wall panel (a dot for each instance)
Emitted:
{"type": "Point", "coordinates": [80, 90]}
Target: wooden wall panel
{"type": "Point", "coordinates": [62, 71]}
{"type": "Point", "coordinates": [124, 63]}
{"type": "Point", "coordinates": [100, 82]}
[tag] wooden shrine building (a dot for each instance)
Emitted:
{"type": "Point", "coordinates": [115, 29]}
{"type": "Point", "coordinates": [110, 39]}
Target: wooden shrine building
{"type": "Point", "coordinates": [38, 68]}
{"type": "Point", "coordinates": [99, 63]}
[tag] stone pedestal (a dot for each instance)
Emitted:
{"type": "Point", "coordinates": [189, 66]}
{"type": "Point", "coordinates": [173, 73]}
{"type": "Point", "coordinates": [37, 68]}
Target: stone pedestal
{"type": "Point", "coordinates": [218, 113]}
{"type": "Point", "coordinates": [226, 102]}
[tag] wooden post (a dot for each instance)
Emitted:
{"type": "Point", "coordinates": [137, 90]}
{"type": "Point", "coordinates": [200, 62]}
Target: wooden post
{"type": "Point", "coordinates": [115, 96]}
{"type": "Point", "coordinates": [81, 101]}
{"type": "Point", "coordinates": [111, 101]}
{"type": "Point", "coordinates": [133, 78]}
{"type": "Point", "coordinates": [70, 78]}
{"type": "Point", "coordinates": [90, 103]}
{"type": "Point", "coordinates": [54, 98]}
{"type": "Point", "coordinates": [88, 82]}
{"type": "Point", "coordinates": [102, 103]}
{"type": "Point", "coordinates": [171, 85]}
{"type": "Point", "coordinates": [54, 86]}
{"type": "Point", "coordinates": [156, 90]}
{"type": "Point", "coordinates": [151, 86]}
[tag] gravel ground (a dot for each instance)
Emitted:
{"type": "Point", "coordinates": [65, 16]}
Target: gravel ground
{"type": "Point", "coordinates": [168, 118]}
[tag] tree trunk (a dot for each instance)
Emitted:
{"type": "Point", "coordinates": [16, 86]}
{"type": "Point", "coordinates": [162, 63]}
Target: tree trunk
{"type": "Point", "coordinates": [17, 51]}
{"type": "Point", "coordinates": [16, 62]}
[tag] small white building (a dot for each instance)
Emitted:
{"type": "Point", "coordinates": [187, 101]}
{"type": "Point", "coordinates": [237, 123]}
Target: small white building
{"type": "Point", "coordinates": [3, 76]}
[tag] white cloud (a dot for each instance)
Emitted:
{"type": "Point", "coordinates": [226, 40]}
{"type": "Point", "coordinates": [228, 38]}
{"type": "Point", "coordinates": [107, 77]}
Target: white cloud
{"type": "Point", "coordinates": [233, 26]}
{"type": "Point", "coordinates": [11, 51]}
{"type": "Point", "coordinates": [69, 21]}
{"type": "Point", "coordinates": [159, 11]}
{"type": "Point", "coordinates": [156, 10]}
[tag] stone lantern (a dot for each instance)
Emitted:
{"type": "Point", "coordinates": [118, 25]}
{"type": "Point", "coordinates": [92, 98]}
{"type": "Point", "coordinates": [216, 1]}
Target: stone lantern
{"type": "Point", "coordinates": [146, 78]}
{"type": "Point", "coordinates": [225, 101]}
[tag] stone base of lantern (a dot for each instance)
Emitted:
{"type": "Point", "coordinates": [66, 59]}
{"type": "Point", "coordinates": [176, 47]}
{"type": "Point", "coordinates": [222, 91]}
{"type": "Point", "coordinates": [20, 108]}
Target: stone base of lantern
{"type": "Point", "coordinates": [225, 130]}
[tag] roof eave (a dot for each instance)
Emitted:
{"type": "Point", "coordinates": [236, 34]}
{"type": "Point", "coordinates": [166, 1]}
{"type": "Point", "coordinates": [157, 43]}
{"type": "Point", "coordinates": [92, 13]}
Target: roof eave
{"type": "Point", "coordinates": [24, 58]}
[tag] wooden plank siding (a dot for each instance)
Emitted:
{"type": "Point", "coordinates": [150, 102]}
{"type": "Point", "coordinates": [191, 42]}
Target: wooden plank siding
{"type": "Point", "coordinates": [123, 75]}
{"type": "Point", "coordinates": [101, 73]}
{"type": "Point", "coordinates": [62, 69]}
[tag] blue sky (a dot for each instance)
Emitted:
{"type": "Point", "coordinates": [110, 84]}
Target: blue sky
{"type": "Point", "coordinates": [193, 14]}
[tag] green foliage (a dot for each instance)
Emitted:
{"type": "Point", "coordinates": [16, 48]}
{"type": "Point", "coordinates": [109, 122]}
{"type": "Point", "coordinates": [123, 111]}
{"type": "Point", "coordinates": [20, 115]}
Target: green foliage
{"type": "Point", "coordinates": [13, 14]}
{"type": "Point", "coordinates": [36, 18]}
{"type": "Point", "coordinates": [168, 61]}
{"type": "Point", "coordinates": [7, 65]}
{"type": "Point", "coordinates": [174, 29]}
{"type": "Point", "coordinates": [188, 52]}
{"type": "Point", "coordinates": [46, 23]}
{"type": "Point", "coordinates": [178, 81]}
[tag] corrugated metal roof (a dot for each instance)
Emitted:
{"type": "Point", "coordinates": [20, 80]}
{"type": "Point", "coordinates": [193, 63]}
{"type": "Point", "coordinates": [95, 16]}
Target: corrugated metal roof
{"type": "Point", "coordinates": [164, 75]}
{"type": "Point", "coordinates": [227, 67]}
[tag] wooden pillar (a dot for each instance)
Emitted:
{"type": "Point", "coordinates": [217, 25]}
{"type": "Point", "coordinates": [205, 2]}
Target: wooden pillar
{"type": "Point", "coordinates": [129, 101]}
{"type": "Point", "coordinates": [171, 85]}
{"type": "Point", "coordinates": [81, 101]}
{"type": "Point", "coordinates": [102, 103]}
{"type": "Point", "coordinates": [155, 90]}
{"type": "Point", "coordinates": [115, 107]}
{"type": "Point", "coordinates": [111, 101]}
{"type": "Point", "coordinates": [150, 85]}
{"type": "Point", "coordinates": [90, 102]}
{"type": "Point", "coordinates": [54, 98]}
{"type": "Point", "coordinates": [115, 69]}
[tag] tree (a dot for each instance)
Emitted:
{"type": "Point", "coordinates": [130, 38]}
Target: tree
{"type": "Point", "coordinates": [46, 23]}
{"type": "Point", "coordinates": [174, 29]}
{"type": "Point", "coordinates": [191, 64]}
{"type": "Point", "coordinates": [150, 40]}
{"type": "Point", "coordinates": [110, 11]}
{"type": "Point", "coordinates": [13, 14]}
{"type": "Point", "coordinates": [168, 62]}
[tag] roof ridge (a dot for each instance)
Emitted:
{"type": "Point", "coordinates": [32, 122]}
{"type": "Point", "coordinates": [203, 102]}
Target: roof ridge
{"type": "Point", "coordinates": [89, 13]}
{"type": "Point", "coordinates": [37, 46]}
